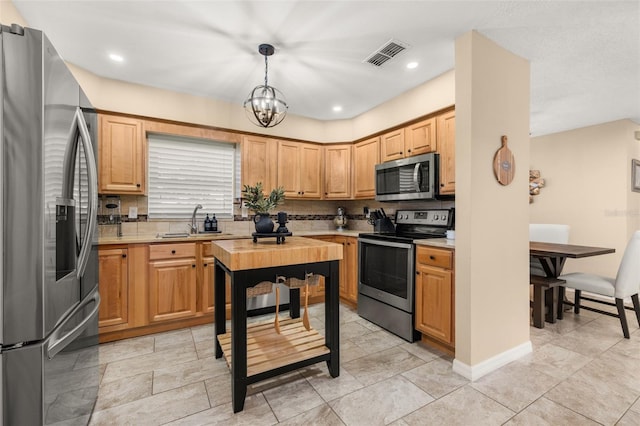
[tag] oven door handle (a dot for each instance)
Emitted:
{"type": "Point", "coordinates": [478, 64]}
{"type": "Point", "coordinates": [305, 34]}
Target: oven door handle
{"type": "Point", "coordinates": [386, 243]}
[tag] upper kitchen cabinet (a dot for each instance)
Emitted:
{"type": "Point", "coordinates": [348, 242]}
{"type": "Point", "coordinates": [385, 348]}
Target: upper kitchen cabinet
{"type": "Point", "coordinates": [420, 138]}
{"type": "Point", "coordinates": [366, 155]}
{"type": "Point", "coordinates": [337, 171]}
{"type": "Point", "coordinates": [446, 129]}
{"type": "Point", "coordinates": [122, 156]}
{"type": "Point", "coordinates": [393, 145]}
{"type": "Point", "coordinates": [259, 161]}
{"type": "Point", "coordinates": [300, 169]}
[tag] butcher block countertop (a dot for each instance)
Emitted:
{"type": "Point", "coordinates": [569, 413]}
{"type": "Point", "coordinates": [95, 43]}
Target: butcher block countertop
{"type": "Point", "coordinates": [242, 254]}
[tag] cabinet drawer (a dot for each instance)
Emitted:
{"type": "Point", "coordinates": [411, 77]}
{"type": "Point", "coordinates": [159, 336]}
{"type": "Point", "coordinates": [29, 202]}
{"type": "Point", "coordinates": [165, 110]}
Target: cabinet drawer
{"type": "Point", "coordinates": [171, 251]}
{"type": "Point", "coordinates": [435, 257]}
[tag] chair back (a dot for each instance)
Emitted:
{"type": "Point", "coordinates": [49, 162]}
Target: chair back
{"type": "Point", "coordinates": [546, 233]}
{"type": "Point", "coordinates": [628, 278]}
{"type": "Point", "coordinates": [549, 233]}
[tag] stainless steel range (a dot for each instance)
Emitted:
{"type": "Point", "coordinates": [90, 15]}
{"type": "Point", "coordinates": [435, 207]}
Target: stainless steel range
{"type": "Point", "coordinates": [386, 269]}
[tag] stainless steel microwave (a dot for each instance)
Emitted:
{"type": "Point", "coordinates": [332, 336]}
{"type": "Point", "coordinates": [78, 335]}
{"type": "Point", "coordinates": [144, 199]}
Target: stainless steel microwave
{"type": "Point", "coordinates": [413, 178]}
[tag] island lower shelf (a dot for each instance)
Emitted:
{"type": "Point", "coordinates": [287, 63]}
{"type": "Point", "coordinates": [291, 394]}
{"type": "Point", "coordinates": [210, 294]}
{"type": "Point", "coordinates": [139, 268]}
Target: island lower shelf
{"type": "Point", "coordinates": [268, 350]}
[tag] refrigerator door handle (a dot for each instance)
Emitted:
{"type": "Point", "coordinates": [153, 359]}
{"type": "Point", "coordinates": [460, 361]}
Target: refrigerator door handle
{"type": "Point", "coordinates": [57, 343]}
{"type": "Point", "coordinates": [79, 128]}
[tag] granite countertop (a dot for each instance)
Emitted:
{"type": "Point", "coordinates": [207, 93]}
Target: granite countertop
{"type": "Point", "coordinates": [437, 242]}
{"type": "Point", "coordinates": [153, 238]}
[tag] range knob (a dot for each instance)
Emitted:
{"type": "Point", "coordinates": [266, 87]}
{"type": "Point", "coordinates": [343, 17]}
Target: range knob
{"type": "Point", "coordinates": [435, 217]}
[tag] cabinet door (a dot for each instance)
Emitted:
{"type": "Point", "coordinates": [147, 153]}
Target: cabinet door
{"type": "Point", "coordinates": [366, 155]}
{"type": "Point", "coordinates": [420, 138]}
{"type": "Point", "coordinates": [289, 169]}
{"type": "Point", "coordinates": [209, 285]}
{"type": "Point", "coordinates": [392, 144]}
{"type": "Point", "coordinates": [337, 172]}
{"type": "Point", "coordinates": [434, 300]}
{"type": "Point", "coordinates": [351, 270]}
{"type": "Point", "coordinates": [310, 171]}
{"type": "Point", "coordinates": [446, 127]}
{"type": "Point", "coordinates": [172, 289]}
{"type": "Point", "coordinates": [114, 287]}
{"type": "Point", "coordinates": [122, 156]}
{"type": "Point", "coordinates": [259, 161]}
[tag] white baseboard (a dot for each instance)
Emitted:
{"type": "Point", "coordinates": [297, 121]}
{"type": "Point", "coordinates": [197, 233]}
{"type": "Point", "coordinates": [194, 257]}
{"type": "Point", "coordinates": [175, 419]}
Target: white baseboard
{"type": "Point", "coordinates": [474, 372]}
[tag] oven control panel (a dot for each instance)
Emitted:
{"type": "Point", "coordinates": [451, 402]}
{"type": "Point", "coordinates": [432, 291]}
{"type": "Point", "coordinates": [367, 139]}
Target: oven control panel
{"type": "Point", "coordinates": [423, 217]}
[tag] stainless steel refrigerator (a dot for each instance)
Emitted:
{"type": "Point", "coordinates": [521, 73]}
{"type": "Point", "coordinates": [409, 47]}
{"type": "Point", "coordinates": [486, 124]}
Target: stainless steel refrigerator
{"type": "Point", "coordinates": [49, 291]}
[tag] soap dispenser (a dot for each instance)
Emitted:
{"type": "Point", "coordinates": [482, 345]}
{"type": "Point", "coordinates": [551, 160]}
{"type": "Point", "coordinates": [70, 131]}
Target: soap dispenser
{"type": "Point", "coordinates": [207, 224]}
{"type": "Point", "coordinates": [214, 223]}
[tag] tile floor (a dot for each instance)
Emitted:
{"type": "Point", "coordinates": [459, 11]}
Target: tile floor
{"type": "Point", "coordinates": [581, 372]}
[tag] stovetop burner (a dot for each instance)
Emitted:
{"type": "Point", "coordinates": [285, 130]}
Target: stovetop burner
{"type": "Point", "coordinates": [417, 225]}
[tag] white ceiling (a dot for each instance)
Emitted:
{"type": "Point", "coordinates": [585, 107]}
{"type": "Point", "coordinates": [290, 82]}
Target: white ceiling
{"type": "Point", "coordinates": [585, 56]}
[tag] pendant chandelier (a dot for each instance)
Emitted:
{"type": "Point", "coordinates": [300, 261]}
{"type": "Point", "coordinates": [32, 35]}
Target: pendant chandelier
{"type": "Point", "coordinates": [266, 105]}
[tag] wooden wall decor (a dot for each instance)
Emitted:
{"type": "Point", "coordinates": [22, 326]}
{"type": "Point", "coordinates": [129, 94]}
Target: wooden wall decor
{"type": "Point", "coordinates": [535, 183]}
{"type": "Point", "coordinates": [504, 166]}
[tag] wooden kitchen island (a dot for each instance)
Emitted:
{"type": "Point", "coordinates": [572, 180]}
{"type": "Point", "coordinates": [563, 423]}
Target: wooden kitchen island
{"type": "Point", "coordinates": [257, 353]}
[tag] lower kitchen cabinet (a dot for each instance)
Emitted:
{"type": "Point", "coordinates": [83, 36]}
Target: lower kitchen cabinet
{"type": "Point", "coordinates": [149, 288]}
{"type": "Point", "coordinates": [348, 271]}
{"type": "Point", "coordinates": [208, 284]}
{"type": "Point", "coordinates": [114, 287]}
{"type": "Point", "coordinates": [172, 281]}
{"type": "Point", "coordinates": [435, 296]}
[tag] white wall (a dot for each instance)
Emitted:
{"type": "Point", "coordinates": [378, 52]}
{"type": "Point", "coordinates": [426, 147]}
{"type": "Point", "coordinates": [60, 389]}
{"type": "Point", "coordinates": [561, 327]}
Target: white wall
{"type": "Point", "coordinates": [492, 236]}
{"type": "Point", "coordinates": [587, 173]}
{"type": "Point", "coordinates": [10, 15]}
{"type": "Point", "coordinates": [118, 96]}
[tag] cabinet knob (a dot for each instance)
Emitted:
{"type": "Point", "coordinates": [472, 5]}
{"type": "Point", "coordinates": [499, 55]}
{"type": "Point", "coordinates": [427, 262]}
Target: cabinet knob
{"type": "Point", "coordinates": [205, 265]}
{"type": "Point", "coordinates": [432, 257]}
{"type": "Point", "coordinates": [442, 184]}
{"type": "Point", "coordinates": [326, 193]}
{"type": "Point", "coordinates": [138, 185]}
{"type": "Point", "coordinates": [409, 151]}
{"type": "Point", "coordinates": [124, 255]}
{"type": "Point", "coordinates": [417, 272]}
{"type": "Point", "coordinates": [173, 252]}
{"type": "Point", "coordinates": [193, 266]}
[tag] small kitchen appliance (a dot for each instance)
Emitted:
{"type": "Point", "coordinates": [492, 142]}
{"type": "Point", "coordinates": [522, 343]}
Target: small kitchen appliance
{"type": "Point", "coordinates": [341, 219]}
{"type": "Point", "coordinates": [386, 268]}
{"type": "Point", "coordinates": [412, 178]}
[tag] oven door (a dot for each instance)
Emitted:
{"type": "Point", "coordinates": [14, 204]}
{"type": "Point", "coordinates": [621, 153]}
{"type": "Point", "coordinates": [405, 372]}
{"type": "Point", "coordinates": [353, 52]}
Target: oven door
{"type": "Point", "coordinates": [386, 272]}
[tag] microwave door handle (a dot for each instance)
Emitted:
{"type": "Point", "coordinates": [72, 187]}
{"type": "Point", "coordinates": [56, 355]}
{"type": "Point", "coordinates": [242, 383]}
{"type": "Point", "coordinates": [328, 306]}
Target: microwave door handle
{"type": "Point", "coordinates": [79, 130]}
{"type": "Point", "coordinates": [416, 176]}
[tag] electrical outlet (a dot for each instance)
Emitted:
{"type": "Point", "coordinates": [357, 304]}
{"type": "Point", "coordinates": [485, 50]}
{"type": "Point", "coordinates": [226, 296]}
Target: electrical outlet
{"type": "Point", "coordinates": [244, 210]}
{"type": "Point", "coordinates": [367, 214]}
{"type": "Point", "coordinates": [133, 213]}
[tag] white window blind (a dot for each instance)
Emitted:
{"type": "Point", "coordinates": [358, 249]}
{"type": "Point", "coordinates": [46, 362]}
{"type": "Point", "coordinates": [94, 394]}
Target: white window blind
{"type": "Point", "coordinates": [185, 172]}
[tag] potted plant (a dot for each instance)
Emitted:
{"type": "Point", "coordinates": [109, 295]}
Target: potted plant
{"type": "Point", "coordinates": [255, 200]}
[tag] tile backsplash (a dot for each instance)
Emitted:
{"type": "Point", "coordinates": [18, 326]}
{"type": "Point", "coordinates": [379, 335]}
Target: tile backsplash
{"type": "Point", "coordinates": [303, 215]}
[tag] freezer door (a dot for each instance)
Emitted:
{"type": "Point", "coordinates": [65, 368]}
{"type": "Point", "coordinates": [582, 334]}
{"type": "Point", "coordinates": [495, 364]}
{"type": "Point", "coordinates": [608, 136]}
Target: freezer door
{"type": "Point", "coordinates": [56, 380]}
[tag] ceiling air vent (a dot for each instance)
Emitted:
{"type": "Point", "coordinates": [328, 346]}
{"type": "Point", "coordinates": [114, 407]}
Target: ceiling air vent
{"type": "Point", "coordinates": [386, 52]}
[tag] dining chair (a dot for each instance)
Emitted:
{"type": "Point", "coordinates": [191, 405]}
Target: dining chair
{"type": "Point", "coordinates": [546, 233]}
{"type": "Point", "coordinates": [625, 284]}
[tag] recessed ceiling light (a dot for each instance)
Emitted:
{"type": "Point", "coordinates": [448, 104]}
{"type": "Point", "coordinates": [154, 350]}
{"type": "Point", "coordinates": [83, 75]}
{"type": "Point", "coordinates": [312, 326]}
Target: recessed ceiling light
{"type": "Point", "coordinates": [412, 65]}
{"type": "Point", "coordinates": [337, 108]}
{"type": "Point", "coordinates": [116, 58]}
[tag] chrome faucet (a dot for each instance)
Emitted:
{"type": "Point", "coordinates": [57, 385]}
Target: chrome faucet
{"type": "Point", "coordinates": [194, 225]}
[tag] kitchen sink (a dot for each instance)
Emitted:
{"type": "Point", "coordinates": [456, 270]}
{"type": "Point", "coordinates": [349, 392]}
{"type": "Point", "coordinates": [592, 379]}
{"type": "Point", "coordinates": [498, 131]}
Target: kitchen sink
{"type": "Point", "coordinates": [174, 235]}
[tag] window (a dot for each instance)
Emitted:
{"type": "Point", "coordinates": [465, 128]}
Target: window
{"type": "Point", "coordinates": [185, 172]}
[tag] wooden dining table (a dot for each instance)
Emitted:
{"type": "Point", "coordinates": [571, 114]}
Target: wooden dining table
{"type": "Point", "coordinates": [552, 257]}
